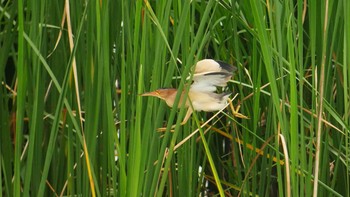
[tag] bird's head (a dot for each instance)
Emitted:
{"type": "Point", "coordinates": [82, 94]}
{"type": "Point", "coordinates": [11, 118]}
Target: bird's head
{"type": "Point", "coordinates": [164, 93]}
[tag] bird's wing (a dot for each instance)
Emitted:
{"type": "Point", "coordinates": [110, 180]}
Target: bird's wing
{"type": "Point", "coordinates": [210, 65]}
{"type": "Point", "coordinates": [209, 74]}
{"type": "Point", "coordinates": [227, 67]}
{"type": "Point", "coordinates": [207, 82]}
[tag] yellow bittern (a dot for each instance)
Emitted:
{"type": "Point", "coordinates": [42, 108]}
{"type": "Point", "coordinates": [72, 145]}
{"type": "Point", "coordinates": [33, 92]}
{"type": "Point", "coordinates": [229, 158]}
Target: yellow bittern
{"type": "Point", "coordinates": [208, 75]}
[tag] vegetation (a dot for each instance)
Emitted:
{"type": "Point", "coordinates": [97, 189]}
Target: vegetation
{"type": "Point", "coordinates": [67, 130]}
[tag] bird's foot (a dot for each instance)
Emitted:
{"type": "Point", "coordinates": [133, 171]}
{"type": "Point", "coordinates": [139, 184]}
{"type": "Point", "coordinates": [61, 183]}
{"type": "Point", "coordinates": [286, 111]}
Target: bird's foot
{"type": "Point", "coordinates": [163, 129]}
{"type": "Point", "coordinates": [188, 114]}
{"type": "Point", "coordinates": [236, 113]}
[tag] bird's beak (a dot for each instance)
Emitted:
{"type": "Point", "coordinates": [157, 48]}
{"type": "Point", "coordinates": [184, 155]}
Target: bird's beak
{"type": "Point", "coordinates": [154, 93]}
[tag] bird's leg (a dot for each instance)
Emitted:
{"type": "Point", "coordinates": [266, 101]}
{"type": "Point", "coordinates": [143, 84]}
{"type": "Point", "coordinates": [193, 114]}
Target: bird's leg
{"type": "Point", "coordinates": [187, 116]}
{"type": "Point", "coordinates": [235, 112]}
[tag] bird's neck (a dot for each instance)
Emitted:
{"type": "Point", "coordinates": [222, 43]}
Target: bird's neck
{"type": "Point", "coordinates": [171, 98]}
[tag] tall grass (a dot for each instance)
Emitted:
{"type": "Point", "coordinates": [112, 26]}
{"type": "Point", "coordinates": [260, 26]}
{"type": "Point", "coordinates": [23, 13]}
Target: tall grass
{"type": "Point", "coordinates": [67, 130]}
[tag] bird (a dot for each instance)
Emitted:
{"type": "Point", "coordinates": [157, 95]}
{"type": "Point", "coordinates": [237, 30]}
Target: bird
{"type": "Point", "coordinates": [208, 74]}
